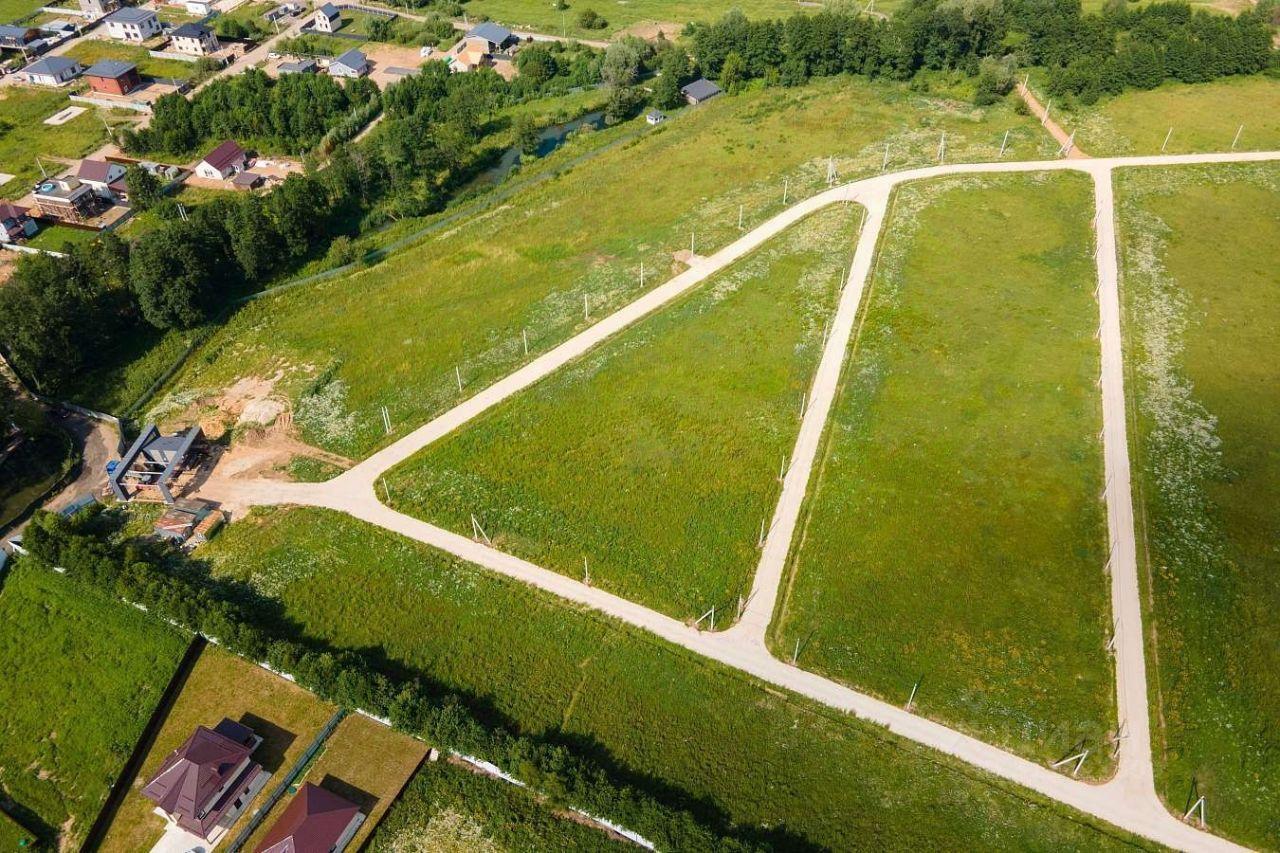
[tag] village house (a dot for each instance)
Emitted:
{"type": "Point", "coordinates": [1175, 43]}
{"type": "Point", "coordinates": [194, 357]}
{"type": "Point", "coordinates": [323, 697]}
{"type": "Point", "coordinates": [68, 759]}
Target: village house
{"type": "Point", "coordinates": [328, 19]}
{"type": "Point", "coordinates": [133, 24]}
{"type": "Point", "coordinates": [194, 40]}
{"type": "Point", "coordinates": [95, 9]}
{"type": "Point", "coordinates": [223, 162]}
{"type": "Point", "coordinates": [66, 199]}
{"type": "Point", "coordinates": [206, 783]}
{"type": "Point", "coordinates": [486, 45]}
{"type": "Point", "coordinates": [113, 76]}
{"type": "Point", "coordinates": [16, 37]}
{"type": "Point", "coordinates": [15, 223]}
{"type": "Point", "coordinates": [350, 64]}
{"type": "Point", "coordinates": [316, 820]}
{"type": "Point", "coordinates": [52, 71]}
{"type": "Point", "coordinates": [105, 179]}
{"type": "Point", "coordinates": [700, 91]}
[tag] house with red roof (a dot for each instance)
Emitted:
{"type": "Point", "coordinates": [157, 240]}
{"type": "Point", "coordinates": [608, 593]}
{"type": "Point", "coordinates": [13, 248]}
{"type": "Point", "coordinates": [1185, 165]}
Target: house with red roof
{"type": "Point", "coordinates": [316, 821]}
{"type": "Point", "coordinates": [223, 162]}
{"type": "Point", "coordinates": [15, 223]}
{"type": "Point", "coordinates": [206, 783]}
{"type": "Point", "coordinates": [106, 179]}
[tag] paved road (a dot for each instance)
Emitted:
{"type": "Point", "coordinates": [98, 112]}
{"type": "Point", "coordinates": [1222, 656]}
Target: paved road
{"type": "Point", "coordinates": [1129, 799]}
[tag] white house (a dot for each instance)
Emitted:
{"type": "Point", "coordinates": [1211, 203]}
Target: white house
{"type": "Point", "coordinates": [133, 24]}
{"type": "Point", "coordinates": [52, 71]}
{"type": "Point", "coordinates": [328, 18]}
{"type": "Point", "coordinates": [350, 64]}
{"type": "Point", "coordinates": [193, 40]}
{"type": "Point", "coordinates": [223, 162]}
{"type": "Point", "coordinates": [104, 178]}
{"type": "Point", "coordinates": [202, 8]}
{"type": "Point", "coordinates": [95, 9]}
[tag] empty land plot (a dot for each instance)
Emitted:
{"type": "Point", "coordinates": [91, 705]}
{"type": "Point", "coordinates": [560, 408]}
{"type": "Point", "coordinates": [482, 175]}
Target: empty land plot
{"type": "Point", "coordinates": [449, 807]}
{"type": "Point", "coordinates": [780, 768]}
{"type": "Point", "coordinates": [82, 674]}
{"type": "Point", "coordinates": [24, 136]}
{"type": "Point", "coordinates": [1201, 247]}
{"type": "Point", "coordinates": [954, 532]}
{"type": "Point", "coordinates": [1204, 117]}
{"type": "Point", "coordinates": [285, 716]}
{"type": "Point", "coordinates": [89, 51]}
{"type": "Point", "coordinates": [544, 17]}
{"type": "Point", "coordinates": [393, 335]}
{"type": "Point", "coordinates": [654, 458]}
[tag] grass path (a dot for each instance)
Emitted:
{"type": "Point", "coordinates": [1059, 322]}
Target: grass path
{"type": "Point", "coordinates": [954, 533]}
{"type": "Point", "coordinates": [654, 458]}
{"type": "Point", "coordinates": [1200, 298]}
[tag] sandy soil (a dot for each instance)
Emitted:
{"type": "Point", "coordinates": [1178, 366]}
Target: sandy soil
{"type": "Point", "coordinates": [649, 30]}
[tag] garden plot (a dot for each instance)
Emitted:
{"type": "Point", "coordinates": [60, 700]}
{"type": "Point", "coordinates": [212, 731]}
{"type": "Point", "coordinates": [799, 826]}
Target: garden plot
{"type": "Point", "coordinates": [954, 536]}
{"type": "Point", "coordinates": [401, 334]}
{"type": "Point", "coordinates": [1200, 250]}
{"type": "Point", "coordinates": [782, 770]}
{"type": "Point", "coordinates": [649, 465]}
{"type": "Point", "coordinates": [82, 674]}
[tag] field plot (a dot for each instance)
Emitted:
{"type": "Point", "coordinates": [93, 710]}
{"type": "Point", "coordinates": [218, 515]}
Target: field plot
{"type": "Point", "coordinates": [1204, 117]}
{"type": "Point", "coordinates": [655, 458]}
{"type": "Point", "coordinates": [90, 51]}
{"type": "Point", "coordinates": [776, 767]}
{"type": "Point", "coordinates": [23, 135]}
{"type": "Point", "coordinates": [954, 532]}
{"type": "Point", "coordinates": [1201, 247]}
{"type": "Point", "coordinates": [543, 17]}
{"type": "Point", "coordinates": [448, 807]}
{"type": "Point", "coordinates": [221, 685]}
{"type": "Point", "coordinates": [395, 334]}
{"type": "Point", "coordinates": [81, 676]}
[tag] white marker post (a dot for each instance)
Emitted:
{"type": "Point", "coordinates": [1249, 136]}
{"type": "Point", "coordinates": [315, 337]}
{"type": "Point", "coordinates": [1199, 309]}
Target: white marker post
{"type": "Point", "coordinates": [786, 185]}
{"type": "Point", "coordinates": [1004, 143]}
{"type": "Point", "coordinates": [457, 374]}
{"type": "Point", "coordinates": [524, 338]}
{"type": "Point", "coordinates": [740, 208]}
{"type": "Point", "coordinates": [1239, 131]}
{"type": "Point", "coordinates": [586, 309]}
{"type": "Point", "coordinates": [1164, 144]}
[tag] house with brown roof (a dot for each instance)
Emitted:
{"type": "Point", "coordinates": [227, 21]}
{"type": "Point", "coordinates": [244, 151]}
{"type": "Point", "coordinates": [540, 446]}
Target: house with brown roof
{"type": "Point", "coordinates": [106, 179]}
{"type": "Point", "coordinates": [484, 46]}
{"type": "Point", "coordinates": [316, 821]}
{"type": "Point", "coordinates": [15, 223]}
{"type": "Point", "coordinates": [206, 783]}
{"type": "Point", "coordinates": [223, 162]}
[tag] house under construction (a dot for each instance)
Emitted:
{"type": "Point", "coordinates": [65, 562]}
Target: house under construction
{"type": "Point", "coordinates": [155, 463]}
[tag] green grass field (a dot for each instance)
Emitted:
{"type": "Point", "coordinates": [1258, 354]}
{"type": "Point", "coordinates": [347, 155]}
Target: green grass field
{"type": "Point", "coordinates": [655, 457]}
{"type": "Point", "coordinates": [542, 16]}
{"type": "Point", "coordinates": [1204, 117]}
{"type": "Point", "coordinates": [778, 767]}
{"type": "Point", "coordinates": [13, 836]}
{"type": "Point", "coordinates": [393, 334]}
{"type": "Point", "coordinates": [24, 136]}
{"type": "Point", "coordinates": [90, 51]}
{"type": "Point", "coordinates": [14, 10]}
{"type": "Point", "coordinates": [81, 676]}
{"type": "Point", "coordinates": [953, 532]}
{"type": "Point", "coordinates": [1200, 251]}
{"type": "Point", "coordinates": [447, 807]}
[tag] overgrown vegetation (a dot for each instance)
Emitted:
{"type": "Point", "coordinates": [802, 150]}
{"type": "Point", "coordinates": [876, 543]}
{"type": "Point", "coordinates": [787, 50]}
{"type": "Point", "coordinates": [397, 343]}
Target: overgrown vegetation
{"type": "Point", "coordinates": [1199, 255]}
{"type": "Point", "coordinates": [652, 461]}
{"type": "Point", "coordinates": [954, 535]}
{"type": "Point", "coordinates": [82, 673]}
{"type": "Point", "coordinates": [34, 453]}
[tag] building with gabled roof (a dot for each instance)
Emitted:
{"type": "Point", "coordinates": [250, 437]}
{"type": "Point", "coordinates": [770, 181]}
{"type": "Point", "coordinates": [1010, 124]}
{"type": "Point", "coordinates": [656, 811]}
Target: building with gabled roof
{"type": "Point", "coordinates": [52, 71]}
{"type": "Point", "coordinates": [15, 223]}
{"type": "Point", "coordinates": [106, 178]}
{"type": "Point", "coordinates": [205, 784]}
{"type": "Point", "coordinates": [353, 63]}
{"type": "Point", "coordinates": [223, 162]}
{"type": "Point", "coordinates": [194, 40]}
{"type": "Point", "coordinates": [700, 90]}
{"type": "Point", "coordinates": [114, 76]}
{"type": "Point", "coordinates": [498, 36]}
{"type": "Point", "coordinates": [328, 19]}
{"type": "Point", "coordinates": [316, 821]}
{"type": "Point", "coordinates": [133, 24]}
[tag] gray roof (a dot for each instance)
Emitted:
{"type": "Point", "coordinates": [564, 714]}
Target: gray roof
{"type": "Point", "coordinates": [12, 32]}
{"type": "Point", "coordinates": [191, 31]}
{"type": "Point", "coordinates": [491, 32]}
{"type": "Point", "coordinates": [351, 59]}
{"type": "Point", "coordinates": [53, 65]}
{"type": "Point", "coordinates": [701, 89]}
{"type": "Point", "coordinates": [109, 68]}
{"type": "Point", "coordinates": [130, 15]}
{"type": "Point", "coordinates": [302, 66]}
{"type": "Point", "coordinates": [329, 10]}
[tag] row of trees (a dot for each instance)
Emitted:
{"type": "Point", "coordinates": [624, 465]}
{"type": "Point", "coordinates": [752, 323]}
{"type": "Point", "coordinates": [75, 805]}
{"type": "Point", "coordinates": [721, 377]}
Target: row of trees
{"type": "Point", "coordinates": [172, 588]}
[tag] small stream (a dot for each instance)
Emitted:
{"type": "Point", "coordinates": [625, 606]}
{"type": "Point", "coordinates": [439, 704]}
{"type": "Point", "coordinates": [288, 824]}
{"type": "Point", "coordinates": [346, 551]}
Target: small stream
{"type": "Point", "coordinates": [549, 140]}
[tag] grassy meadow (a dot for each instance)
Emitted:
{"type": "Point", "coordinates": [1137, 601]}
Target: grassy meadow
{"type": "Point", "coordinates": [953, 533]}
{"type": "Point", "coordinates": [542, 16]}
{"type": "Point", "coordinates": [24, 135]}
{"type": "Point", "coordinates": [655, 457]}
{"type": "Point", "coordinates": [89, 51]}
{"type": "Point", "coordinates": [82, 675]}
{"type": "Point", "coordinates": [1200, 249]}
{"type": "Point", "coordinates": [778, 768]}
{"type": "Point", "coordinates": [449, 807]}
{"type": "Point", "coordinates": [1204, 117]}
{"type": "Point", "coordinates": [393, 335]}
{"type": "Point", "coordinates": [285, 716]}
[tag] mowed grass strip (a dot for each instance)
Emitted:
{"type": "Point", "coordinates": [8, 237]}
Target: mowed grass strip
{"type": "Point", "coordinates": [954, 532]}
{"type": "Point", "coordinates": [780, 769]}
{"type": "Point", "coordinates": [82, 675]}
{"type": "Point", "coordinates": [1200, 250]}
{"type": "Point", "coordinates": [654, 458]}
{"type": "Point", "coordinates": [393, 335]}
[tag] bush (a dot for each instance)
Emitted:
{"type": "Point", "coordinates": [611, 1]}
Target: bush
{"type": "Point", "coordinates": [589, 19]}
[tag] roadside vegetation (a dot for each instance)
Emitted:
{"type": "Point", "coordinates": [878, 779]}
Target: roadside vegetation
{"type": "Point", "coordinates": [447, 806]}
{"type": "Point", "coordinates": [652, 461]}
{"type": "Point", "coordinates": [82, 675]}
{"type": "Point", "coordinates": [1200, 249]}
{"type": "Point", "coordinates": [775, 768]}
{"type": "Point", "coordinates": [953, 536]}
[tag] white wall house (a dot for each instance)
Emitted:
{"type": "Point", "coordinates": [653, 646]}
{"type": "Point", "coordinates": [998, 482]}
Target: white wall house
{"type": "Point", "coordinates": [132, 24]}
{"type": "Point", "coordinates": [52, 71]}
{"type": "Point", "coordinates": [328, 19]}
{"type": "Point", "coordinates": [193, 40]}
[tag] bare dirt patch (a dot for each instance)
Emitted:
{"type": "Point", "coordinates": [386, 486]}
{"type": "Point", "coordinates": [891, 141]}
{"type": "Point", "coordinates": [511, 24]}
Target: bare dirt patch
{"type": "Point", "coordinates": [650, 30]}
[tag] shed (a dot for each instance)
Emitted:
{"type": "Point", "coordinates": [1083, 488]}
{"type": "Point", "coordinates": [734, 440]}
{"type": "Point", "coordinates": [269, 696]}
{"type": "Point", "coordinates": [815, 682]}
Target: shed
{"type": "Point", "coordinates": [700, 90]}
{"type": "Point", "coordinates": [655, 117]}
{"type": "Point", "coordinates": [302, 66]}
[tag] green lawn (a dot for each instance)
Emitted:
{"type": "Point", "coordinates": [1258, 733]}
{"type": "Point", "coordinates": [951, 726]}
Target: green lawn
{"type": "Point", "coordinates": [81, 676]}
{"type": "Point", "coordinates": [393, 334]}
{"type": "Point", "coordinates": [56, 237]}
{"type": "Point", "coordinates": [542, 16]}
{"type": "Point", "coordinates": [90, 51]}
{"type": "Point", "coordinates": [14, 10]}
{"type": "Point", "coordinates": [1204, 117]}
{"type": "Point", "coordinates": [1201, 247]}
{"type": "Point", "coordinates": [13, 836]}
{"type": "Point", "coordinates": [954, 532]}
{"type": "Point", "coordinates": [24, 136]}
{"type": "Point", "coordinates": [446, 807]}
{"type": "Point", "coordinates": [777, 767]}
{"type": "Point", "coordinates": [656, 457]}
